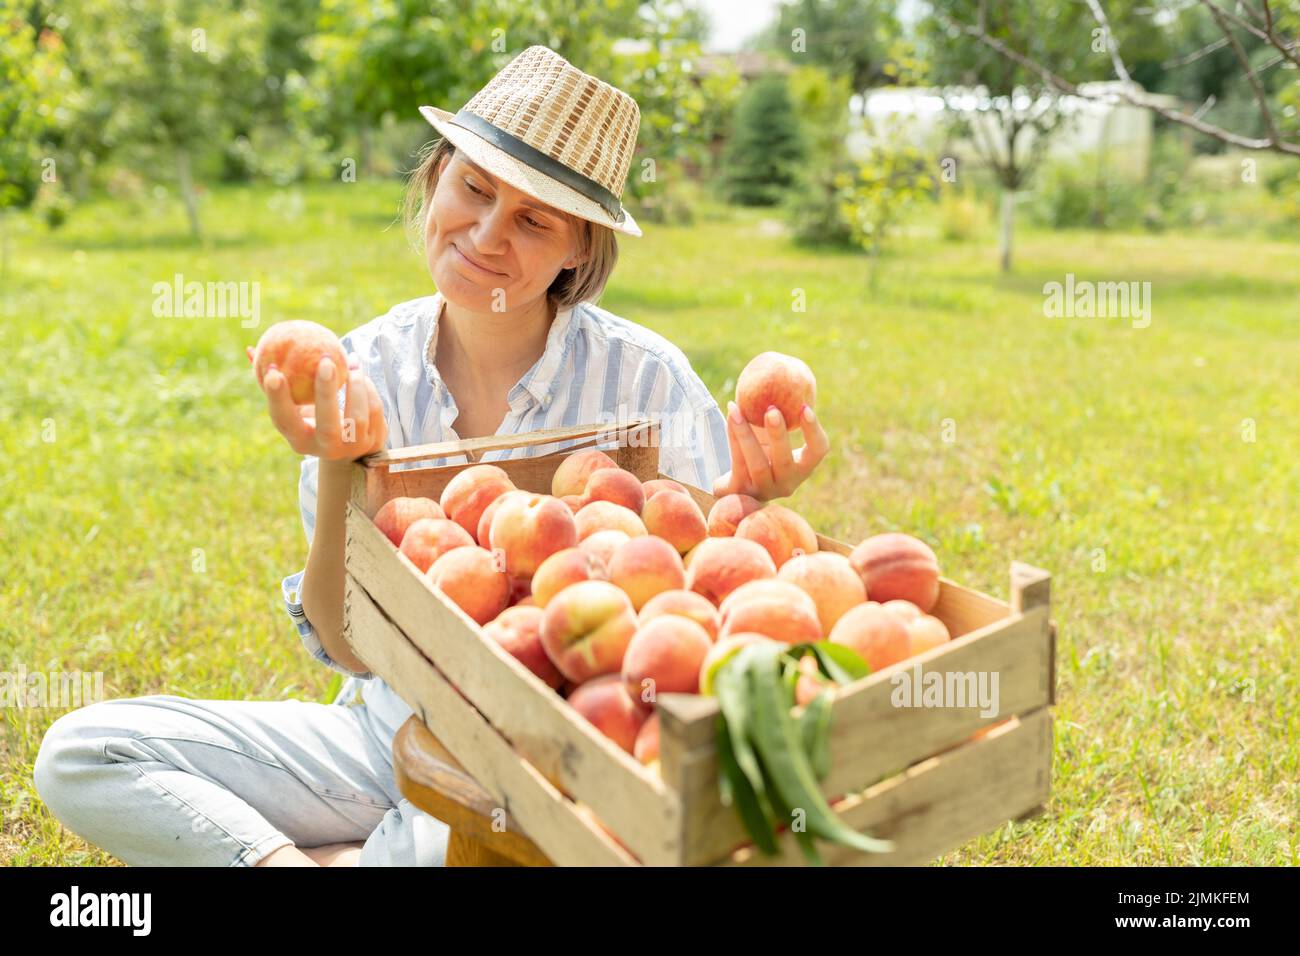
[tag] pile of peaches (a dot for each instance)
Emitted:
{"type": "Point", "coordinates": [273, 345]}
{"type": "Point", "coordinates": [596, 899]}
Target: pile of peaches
{"type": "Point", "coordinates": [612, 590]}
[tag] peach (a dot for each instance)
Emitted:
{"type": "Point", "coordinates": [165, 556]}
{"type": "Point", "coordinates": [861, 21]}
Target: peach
{"type": "Point", "coordinates": [773, 616]}
{"type": "Point", "coordinates": [684, 604]}
{"type": "Point", "coordinates": [676, 518]}
{"type": "Point", "coordinates": [586, 629]}
{"type": "Point", "coordinates": [570, 477]}
{"type": "Point", "coordinates": [430, 538]}
{"type": "Point", "coordinates": [599, 515]}
{"type": "Point", "coordinates": [645, 566]}
{"type": "Point", "coordinates": [879, 636]}
{"type": "Point", "coordinates": [926, 632]}
{"type": "Point", "coordinates": [656, 485]}
{"type": "Point", "coordinates": [470, 492]}
{"type": "Point", "coordinates": [829, 579]}
{"type": "Point", "coordinates": [574, 502]}
{"type": "Point", "coordinates": [528, 529]}
{"type": "Point", "coordinates": [604, 701]}
{"type": "Point", "coordinates": [720, 565]}
{"type": "Point", "coordinates": [646, 747]}
{"type": "Point", "coordinates": [770, 379]}
{"type": "Point", "coordinates": [897, 565]}
{"type": "Point", "coordinates": [727, 513]}
{"type": "Point", "coordinates": [563, 568]}
{"type": "Point", "coordinates": [616, 485]}
{"type": "Point", "coordinates": [519, 631]}
{"type": "Point", "coordinates": [296, 347]}
{"type": "Point", "coordinates": [485, 519]}
{"type": "Point", "coordinates": [723, 651]}
{"type": "Point", "coordinates": [603, 544]}
{"type": "Point", "coordinates": [811, 681]}
{"type": "Point", "coordinates": [908, 611]}
{"type": "Point", "coordinates": [767, 588]}
{"type": "Point", "coordinates": [781, 530]}
{"type": "Point", "coordinates": [664, 658]}
{"type": "Point", "coordinates": [398, 514]}
{"type": "Point", "coordinates": [470, 578]}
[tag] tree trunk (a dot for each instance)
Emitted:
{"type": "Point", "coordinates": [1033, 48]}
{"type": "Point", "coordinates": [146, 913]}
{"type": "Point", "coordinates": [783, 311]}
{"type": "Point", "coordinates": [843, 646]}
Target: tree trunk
{"type": "Point", "coordinates": [187, 190]}
{"type": "Point", "coordinates": [1008, 228]}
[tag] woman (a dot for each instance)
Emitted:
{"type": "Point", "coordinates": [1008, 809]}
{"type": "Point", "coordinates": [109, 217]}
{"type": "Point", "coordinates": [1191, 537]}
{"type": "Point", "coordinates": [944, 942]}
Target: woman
{"type": "Point", "coordinates": [518, 206]}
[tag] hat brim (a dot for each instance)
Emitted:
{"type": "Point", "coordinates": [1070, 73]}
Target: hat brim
{"type": "Point", "coordinates": [523, 176]}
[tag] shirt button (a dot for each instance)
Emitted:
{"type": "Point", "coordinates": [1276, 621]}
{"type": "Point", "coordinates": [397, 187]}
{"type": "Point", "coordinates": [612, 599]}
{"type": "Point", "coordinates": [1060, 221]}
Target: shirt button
{"type": "Point", "coordinates": [546, 399]}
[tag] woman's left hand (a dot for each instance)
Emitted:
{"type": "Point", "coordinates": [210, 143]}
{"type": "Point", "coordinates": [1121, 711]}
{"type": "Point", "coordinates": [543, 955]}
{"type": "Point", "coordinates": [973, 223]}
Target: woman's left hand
{"type": "Point", "coordinates": [763, 465]}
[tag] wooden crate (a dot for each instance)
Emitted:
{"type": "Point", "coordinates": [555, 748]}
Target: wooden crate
{"type": "Point", "coordinates": [913, 775]}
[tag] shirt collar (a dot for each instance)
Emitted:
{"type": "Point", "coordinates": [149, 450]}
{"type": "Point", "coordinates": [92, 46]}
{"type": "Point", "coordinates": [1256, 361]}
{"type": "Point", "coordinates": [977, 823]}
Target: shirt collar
{"type": "Point", "coordinates": [537, 381]}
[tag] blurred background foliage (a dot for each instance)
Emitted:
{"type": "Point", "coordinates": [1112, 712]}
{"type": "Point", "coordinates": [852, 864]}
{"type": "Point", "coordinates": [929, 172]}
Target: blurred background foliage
{"type": "Point", "coordinates": [161, 101]}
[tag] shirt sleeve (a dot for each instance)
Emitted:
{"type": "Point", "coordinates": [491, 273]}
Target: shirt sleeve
{"type": "Point", "coordinates": [693, 438]}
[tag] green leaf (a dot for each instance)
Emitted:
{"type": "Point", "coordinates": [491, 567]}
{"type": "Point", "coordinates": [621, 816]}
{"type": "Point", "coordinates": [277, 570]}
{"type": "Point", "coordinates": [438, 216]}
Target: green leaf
{"type": "Point", "coordinates": [742, 795]}
{"type": "Point", "coordinates": [840, 663]}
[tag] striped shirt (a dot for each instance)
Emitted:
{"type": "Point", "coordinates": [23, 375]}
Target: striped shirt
{"type": "Point", "coordinates": [595, 368]}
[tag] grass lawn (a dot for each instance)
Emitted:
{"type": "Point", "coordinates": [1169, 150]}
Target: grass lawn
{"type": "Point", "coordinates": [149, 507]}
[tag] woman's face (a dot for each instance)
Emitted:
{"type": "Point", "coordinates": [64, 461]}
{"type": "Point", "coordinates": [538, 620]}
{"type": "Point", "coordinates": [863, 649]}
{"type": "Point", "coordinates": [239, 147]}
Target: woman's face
{"type": "Point", "coordinates": [523, 242]}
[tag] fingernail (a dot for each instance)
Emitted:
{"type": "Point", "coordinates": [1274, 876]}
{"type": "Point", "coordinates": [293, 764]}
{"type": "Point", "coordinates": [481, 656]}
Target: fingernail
{"type": "Point", "coordinates": [734, 411]}
{"type": "Point", "coordinates": [773, 414]}
{"type": "Point", "coordinates": [325, 371]}
{"type": "Point", "coordinates": [808, 415]}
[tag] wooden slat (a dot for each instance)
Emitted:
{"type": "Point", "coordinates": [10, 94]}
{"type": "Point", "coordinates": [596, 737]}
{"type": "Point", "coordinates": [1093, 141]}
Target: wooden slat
{"type": "Point", "coordinates": [477, 446]}
{"type": "Point", "coordinates": [546, 815]}
{"type": "Point", "coordinates": [566, 749]}
{"type": "Point", "coordinates": [870, 736]}
{"type": "Point", "coordinates": [942, 803]}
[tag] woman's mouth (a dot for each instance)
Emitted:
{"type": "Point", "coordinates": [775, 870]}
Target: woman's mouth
{"type": "Point", "coordinates": [474, 265]}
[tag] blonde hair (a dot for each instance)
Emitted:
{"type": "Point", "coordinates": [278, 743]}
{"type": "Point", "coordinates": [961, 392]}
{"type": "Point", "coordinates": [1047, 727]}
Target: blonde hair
{"type": "Point", "coordinates": [597, 244]}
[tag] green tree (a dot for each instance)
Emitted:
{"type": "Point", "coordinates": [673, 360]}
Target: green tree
{"type": "Point", "coordinates": [853, 39]}
{"type": "Point", "coordinates": [894, 176]}
{"type": "Point", "coordinates": [815, 203]}
{"type": "Point", "coordinates": [767, 146]}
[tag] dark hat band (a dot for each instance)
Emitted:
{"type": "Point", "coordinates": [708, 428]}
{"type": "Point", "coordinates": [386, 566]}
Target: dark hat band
{"type": "Point", "coordinates": [521, 151]}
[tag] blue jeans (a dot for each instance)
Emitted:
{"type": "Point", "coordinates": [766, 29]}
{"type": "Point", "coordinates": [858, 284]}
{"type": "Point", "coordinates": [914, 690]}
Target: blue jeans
{"type": "Point", "coordinates": [167, 781]}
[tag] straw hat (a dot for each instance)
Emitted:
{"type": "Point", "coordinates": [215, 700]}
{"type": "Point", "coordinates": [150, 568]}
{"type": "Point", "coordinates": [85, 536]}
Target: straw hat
{"type": "Point", "coordinates": [552, 131]}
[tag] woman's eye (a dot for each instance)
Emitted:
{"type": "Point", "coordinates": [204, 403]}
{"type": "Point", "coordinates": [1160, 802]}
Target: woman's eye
{"type": "Point", "coordinates": [535, 225]}
{"type": "Point", "coordinates": [477, 192]}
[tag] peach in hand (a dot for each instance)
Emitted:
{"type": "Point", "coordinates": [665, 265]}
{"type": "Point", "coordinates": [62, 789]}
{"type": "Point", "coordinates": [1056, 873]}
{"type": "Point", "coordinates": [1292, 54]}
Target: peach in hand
{"type": "Point", "coordinates": [295, 348]}
{"type": "Point", "coordinates": [772, 378]}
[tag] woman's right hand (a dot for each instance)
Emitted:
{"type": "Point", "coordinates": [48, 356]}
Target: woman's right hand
{"type": "Point", "coordinates": [320, 429]}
